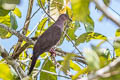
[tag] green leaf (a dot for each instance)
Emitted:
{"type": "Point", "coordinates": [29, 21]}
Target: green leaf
{"type": "Point", "coordinates": [112, 77]}
{"type": "Point", "coordinates": [71, 30]}
{"type": "Point", "coordinates": [5, 20]}
{"type": "Point", "coordinates": [9, 4]}
{"type": "Point", "coordinates": [71, 34]}
{"type": "Point", "coordinates": [80, 72]}
{"type": "Point", "coordinates": [103, 61]}
{"type": "Point", "coordinates": [89, 24]}
{"type": "Point", "coordinates": [101, 18]}
{"type": "Point", "coordinates": [69, 11]}
{"type": "Point", "coordinates": [66, 63]}
{"type": "Point", "coordinates": [5, 73]}
{"type": "Point", "coordinates": [3, 12]}
{"type": "Point", "coordinates": [77, 25]}
{"type": "Point", "coordinates": [49, 66]}
{"type": "Point", "coordinates": [43, 3]}
{"type": "Point", "coordinates": [92, 59]}
{"type": "Point", "coordinates": [57, 4]}
{"type": "Point", "coordinates": [74, 66]}
{"type": "Point", "coordinates": [37, 63]}
{"type": "Point", "coordinates": [56, 8]}
{"type": "Point", "coordinates": [116, 43]}
{"type": "Point", "coordinates": [67, 1]}
{"type": "Point", "coordinates": [43, 55]}
{"type": "Point", "coordinates": [86, 37]}
{"type": "Point", "coordinates": [103, 54]}
{"type": "Point", "coordinates": [8, 35]}
{"type": "Point", "coordinates": [117, 34]}
{"type": "Point", "coordinates": [10, 1]}
{"type": "Point", "coordinates": [17, 12]}
{"type": "Point", "coordinates": [41, 26]}
{"type": "Point", "coordinates": [107, 2]}
{"type": "Point", "coordinates": [3, 33]}
{"type": "Point", "coordinates": [23, 56]}
{"type": "Point", "coordinates": [13, 21]}
{"type": "Point", "coordinates": [80, 9]}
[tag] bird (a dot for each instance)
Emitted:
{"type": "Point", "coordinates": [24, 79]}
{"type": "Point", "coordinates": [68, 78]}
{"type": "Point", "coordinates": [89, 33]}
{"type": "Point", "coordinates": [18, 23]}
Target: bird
{"type": "Point", "coordinates": [48, 39]}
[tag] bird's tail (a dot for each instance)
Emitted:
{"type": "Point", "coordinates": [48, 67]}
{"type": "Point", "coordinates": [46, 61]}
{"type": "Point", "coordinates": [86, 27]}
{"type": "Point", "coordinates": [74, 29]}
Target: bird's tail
{"type": "Point", "coordinates": [34, 59]}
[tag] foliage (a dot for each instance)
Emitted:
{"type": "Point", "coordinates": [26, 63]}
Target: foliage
{"type": "Point", "coordinates": [71, 66]}
{"type": "Point", "coordinates": [49, 66]}
{"type": "Point", "coordinates": [5, 72]}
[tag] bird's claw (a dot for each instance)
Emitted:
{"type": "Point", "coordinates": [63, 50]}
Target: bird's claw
{"type": "Point", "coordinates": [52, 51]}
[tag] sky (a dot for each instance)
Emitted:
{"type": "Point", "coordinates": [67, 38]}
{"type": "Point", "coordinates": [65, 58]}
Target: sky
{"type": "Point", "coordinates": [105, 27]}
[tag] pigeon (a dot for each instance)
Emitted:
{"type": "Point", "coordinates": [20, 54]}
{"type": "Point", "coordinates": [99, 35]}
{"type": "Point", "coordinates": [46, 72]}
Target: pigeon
{"type": "Point", "coordinates": [48, 39]}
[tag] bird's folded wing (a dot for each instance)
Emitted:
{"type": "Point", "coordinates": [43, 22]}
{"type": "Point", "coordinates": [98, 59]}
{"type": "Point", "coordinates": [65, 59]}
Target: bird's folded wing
{"type": "Point", "coordinates": [48, 39]}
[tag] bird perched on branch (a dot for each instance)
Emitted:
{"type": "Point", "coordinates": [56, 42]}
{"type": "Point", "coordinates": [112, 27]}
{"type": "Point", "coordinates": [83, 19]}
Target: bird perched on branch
{"type": "Point", "coordinates": [48, 39]}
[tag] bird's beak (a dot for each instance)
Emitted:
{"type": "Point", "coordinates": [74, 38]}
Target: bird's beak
{"type": "Point", "coordinates": [70, 19]}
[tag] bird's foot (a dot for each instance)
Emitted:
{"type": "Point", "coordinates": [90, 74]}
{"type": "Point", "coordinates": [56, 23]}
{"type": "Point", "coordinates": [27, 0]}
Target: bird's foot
{"type": "Point", "coordinates": [53, 55]}
{"type": "Point", "coordinates": [52, 51]}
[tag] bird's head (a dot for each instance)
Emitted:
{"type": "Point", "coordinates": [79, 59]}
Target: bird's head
{"type": "Point", "coordinates": [64, 17]}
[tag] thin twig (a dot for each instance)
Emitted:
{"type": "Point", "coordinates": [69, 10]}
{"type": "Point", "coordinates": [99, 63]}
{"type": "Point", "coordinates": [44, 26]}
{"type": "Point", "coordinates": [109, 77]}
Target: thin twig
{"type": "Point", "coordinates": [36, 26]}
{"type": "Point", "coordinates": [45, 10]}
{"type": "Point", "coordinates": [73, 44]}
{"type": "Point", "coordinates": [106, 12]}
{"type": "Point", "coordinates": [79, 60]}
{"type": "Point", "coordinates": [27, 21]}
{"type": "Point", "coordinates": [35, 13]}
{"type": "Point", "coordinates": [48, 9]}
{"type": "Point", "coordinates": [114, 11]}
{"type": "Point", "coordinates": [42, 66]}
{"type": "Point", "coordinates": [64, 53]}
{"type": "Point", "coordinates": [55, 74]}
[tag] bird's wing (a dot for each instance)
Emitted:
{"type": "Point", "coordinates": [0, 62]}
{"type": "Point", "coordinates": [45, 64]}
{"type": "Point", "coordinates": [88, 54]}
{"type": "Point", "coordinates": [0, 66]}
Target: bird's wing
{"type": "Point", "coordinates": [48, 39]}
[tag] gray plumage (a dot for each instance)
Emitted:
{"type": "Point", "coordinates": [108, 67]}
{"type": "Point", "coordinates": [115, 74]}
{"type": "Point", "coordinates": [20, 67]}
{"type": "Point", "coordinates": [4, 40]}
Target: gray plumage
{"type": "Point", "coordinates": [48, 39]}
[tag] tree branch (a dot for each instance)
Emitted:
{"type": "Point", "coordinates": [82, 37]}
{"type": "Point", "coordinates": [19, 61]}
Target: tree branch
{"type": "Point", "coordinates": [73, 44]}
{"type": "Point", "coordinates": [12, 62]}
{"type": "Point", "coordinates": [16, 55]}
{"type": "Point", "coordinates": [27, 21]}
{"type": "Point", "coordinates": [34, 13]}
{"type": "Point", "coordinates": [63, 53]}
{"type": "Point", "coordinates": [115, 18]}
{"type": "Point", "coordinates": [49, 10]}
{"type": "Point", "coordinates": [3, 52]}
{"type": "Point", "coordinates": [17, 34]}
{"type": "Point", "coordinates": [109, 70]}
{"type": "Point", "coordinates": [45, 11]}
{"type": "Point", "coordinates": [25, 28]}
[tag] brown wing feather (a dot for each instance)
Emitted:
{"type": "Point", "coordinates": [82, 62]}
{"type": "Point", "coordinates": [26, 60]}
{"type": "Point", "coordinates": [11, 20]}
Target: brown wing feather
{"type": "Point", "coordinates": [48, 39]}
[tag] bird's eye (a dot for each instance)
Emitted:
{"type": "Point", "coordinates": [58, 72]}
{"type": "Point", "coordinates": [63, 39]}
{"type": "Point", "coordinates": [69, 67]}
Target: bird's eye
{"type": "Point", "coordinates": [66, 15]}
